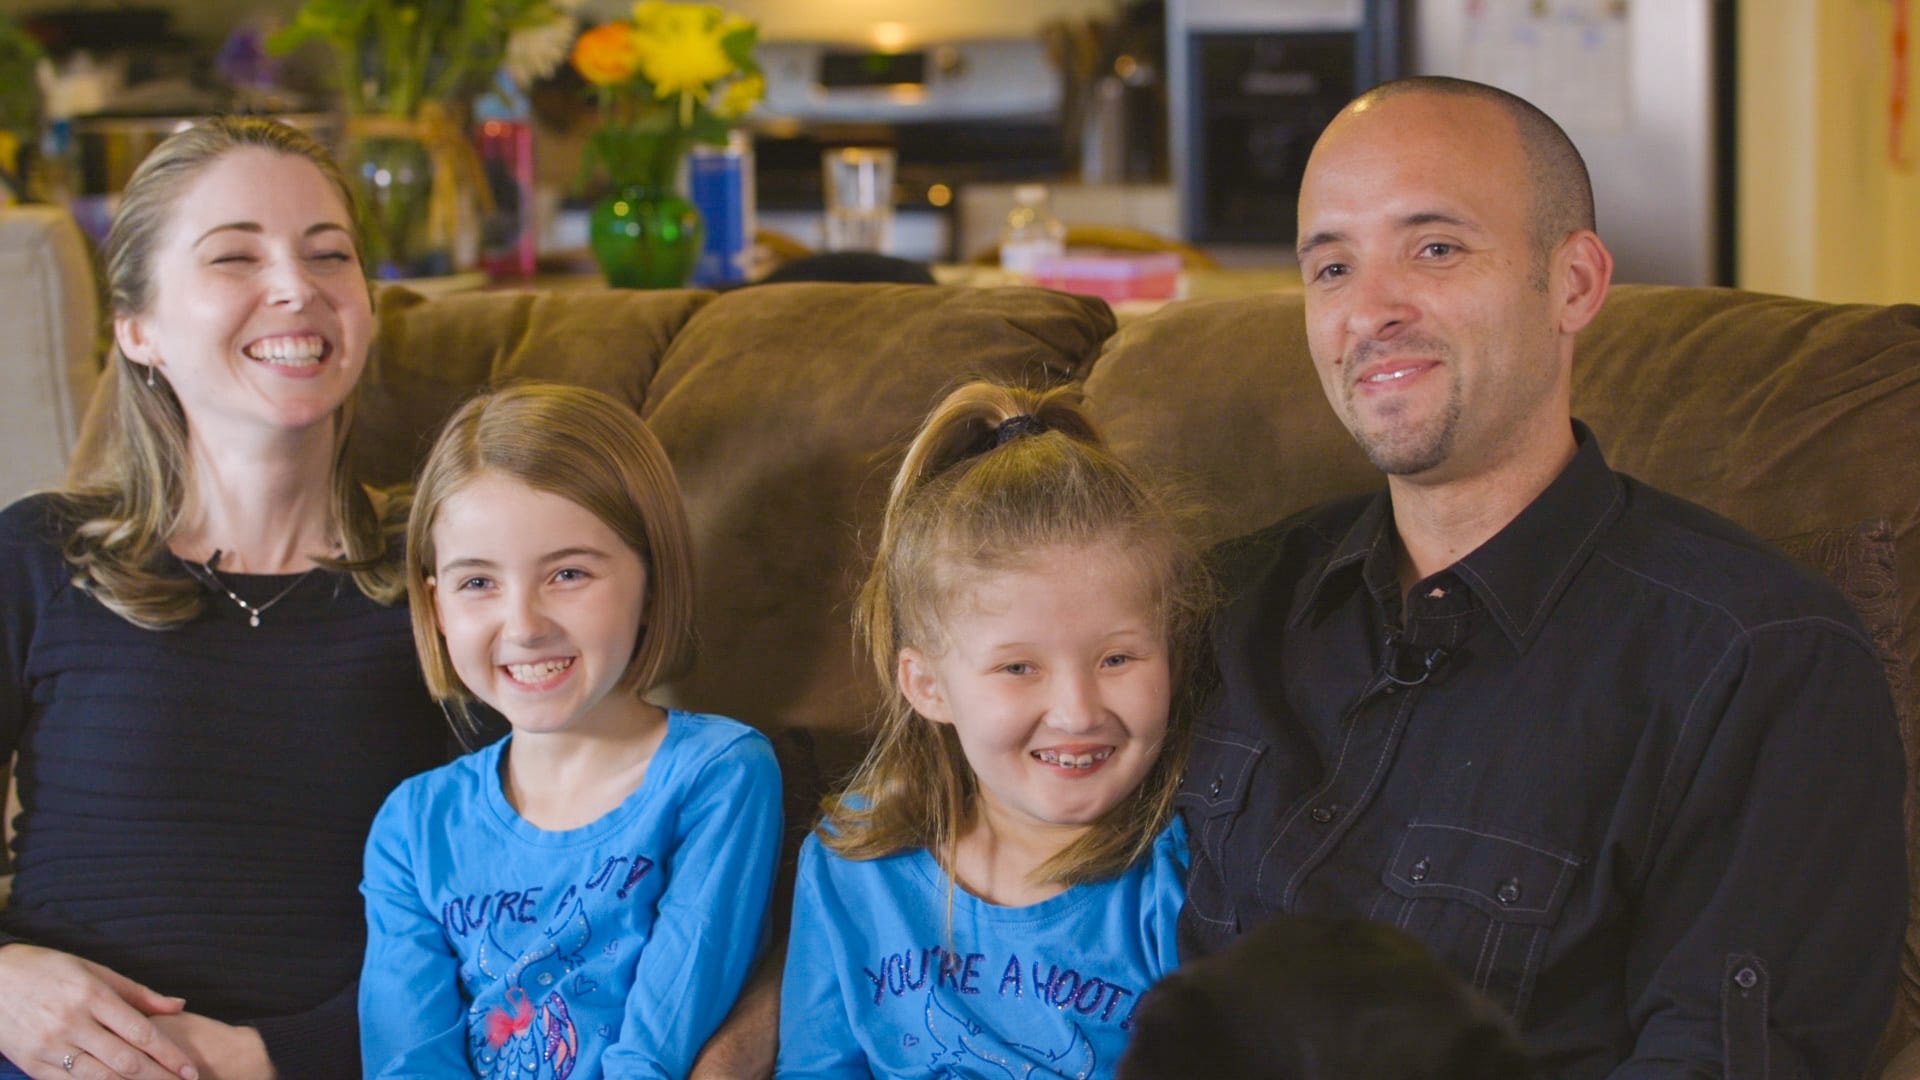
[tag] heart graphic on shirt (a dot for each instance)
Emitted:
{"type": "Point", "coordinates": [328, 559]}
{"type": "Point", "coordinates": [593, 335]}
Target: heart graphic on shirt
{"type": "Point", "coordinates": [583, 985]}
{"type": "Point", "coordinates": [909, 1040]}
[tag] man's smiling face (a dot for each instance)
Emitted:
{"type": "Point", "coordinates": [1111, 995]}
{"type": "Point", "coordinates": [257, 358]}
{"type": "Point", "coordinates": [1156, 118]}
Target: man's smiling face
{"type": "Point", "coordinates": [1428, 315]}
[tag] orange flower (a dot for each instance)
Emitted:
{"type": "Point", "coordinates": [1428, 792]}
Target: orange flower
{"type": "Point", "coordinates": [607, 55]}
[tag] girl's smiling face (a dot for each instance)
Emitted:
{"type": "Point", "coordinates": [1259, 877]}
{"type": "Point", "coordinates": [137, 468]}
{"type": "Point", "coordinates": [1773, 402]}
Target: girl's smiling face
{"type": "Point", "coordinates": [1055, 676]}
{"type": "Point", "coordinates": [540, 603]}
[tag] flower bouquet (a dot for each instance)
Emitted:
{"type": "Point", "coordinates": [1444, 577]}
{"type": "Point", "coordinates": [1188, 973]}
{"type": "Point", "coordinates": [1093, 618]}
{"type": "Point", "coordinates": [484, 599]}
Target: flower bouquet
{"type": "Point", "coordinates": [673, 75]}
{"type": "Point", "coordinates": [407, 69]}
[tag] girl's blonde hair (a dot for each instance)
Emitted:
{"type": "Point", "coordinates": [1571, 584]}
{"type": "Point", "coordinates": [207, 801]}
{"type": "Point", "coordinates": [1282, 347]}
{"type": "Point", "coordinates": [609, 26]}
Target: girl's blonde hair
{"type": "Point", "coordinates": [995, 475]}
{"type": "Point", "coordinates": [126, 509]}
{"type": "Point", "coordinates": [592, 451]}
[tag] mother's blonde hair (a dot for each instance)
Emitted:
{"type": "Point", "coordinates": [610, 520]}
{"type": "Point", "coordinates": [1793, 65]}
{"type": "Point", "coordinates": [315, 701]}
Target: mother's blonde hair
{"type": "Point", "coordinates": [125, 505]}
{"type": "Point", "coordinates": [996, 474]}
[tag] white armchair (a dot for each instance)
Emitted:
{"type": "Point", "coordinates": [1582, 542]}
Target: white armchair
{"type": "Point", "coordinates": [49, 327]}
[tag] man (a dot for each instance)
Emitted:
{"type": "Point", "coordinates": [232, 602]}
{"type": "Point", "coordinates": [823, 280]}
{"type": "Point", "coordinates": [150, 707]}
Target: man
{"type": "Point", "coordinates": [1625, 769]}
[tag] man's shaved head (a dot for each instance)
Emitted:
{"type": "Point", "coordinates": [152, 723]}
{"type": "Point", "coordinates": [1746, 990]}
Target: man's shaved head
{"type": "Point", "coordinates": [1562, 196]}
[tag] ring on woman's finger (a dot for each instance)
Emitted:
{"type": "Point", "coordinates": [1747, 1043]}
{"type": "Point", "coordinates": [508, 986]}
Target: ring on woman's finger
{"type": "Point", "coordinates": [67, 1063]}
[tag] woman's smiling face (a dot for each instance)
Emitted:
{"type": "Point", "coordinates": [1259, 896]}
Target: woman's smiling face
{"type": "Point", "coordinates": [259, 315]}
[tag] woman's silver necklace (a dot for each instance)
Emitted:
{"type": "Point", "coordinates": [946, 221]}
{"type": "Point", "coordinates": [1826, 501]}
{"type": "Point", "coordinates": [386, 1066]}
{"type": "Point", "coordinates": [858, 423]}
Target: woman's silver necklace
{"type": "Point", "coordinates": [205, 574]}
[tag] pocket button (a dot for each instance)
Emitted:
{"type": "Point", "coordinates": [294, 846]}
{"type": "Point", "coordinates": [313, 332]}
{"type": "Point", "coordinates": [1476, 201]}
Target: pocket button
{"type": "Point", "coordinates": [1509, 892]}
{"type": "Point", "coordinates": [1419, 871]}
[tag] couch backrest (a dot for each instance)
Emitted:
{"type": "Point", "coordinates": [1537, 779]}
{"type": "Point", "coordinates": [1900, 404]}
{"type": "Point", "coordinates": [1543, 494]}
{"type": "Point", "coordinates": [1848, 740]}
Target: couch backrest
{"type": "Point", "coordinates": [1794, 418]}
{"type": "Point", "coordinates": [784, 409]}
{"type": "Point", "coordinates": [430, 355]}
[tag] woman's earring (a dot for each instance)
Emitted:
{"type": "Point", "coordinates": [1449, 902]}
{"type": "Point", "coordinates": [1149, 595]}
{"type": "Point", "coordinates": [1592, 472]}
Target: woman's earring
{"type": "Point", "coordinates": [150, 368]}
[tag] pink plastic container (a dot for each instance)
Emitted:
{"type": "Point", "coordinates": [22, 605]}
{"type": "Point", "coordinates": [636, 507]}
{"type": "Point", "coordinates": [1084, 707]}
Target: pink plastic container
{"type": "Point", "coordinates": [1154, 276]}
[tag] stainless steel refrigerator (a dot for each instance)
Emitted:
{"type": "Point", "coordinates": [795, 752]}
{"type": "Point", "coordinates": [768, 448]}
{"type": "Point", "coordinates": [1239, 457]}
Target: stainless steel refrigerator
{"type": "Point", "coordinates": [1250, 85]}
{"type": "Point", "coordinates": [1644, 88]}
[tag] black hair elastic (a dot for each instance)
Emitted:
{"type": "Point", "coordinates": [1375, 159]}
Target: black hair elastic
{"type": "Point", "coordinates": [1014, 427]}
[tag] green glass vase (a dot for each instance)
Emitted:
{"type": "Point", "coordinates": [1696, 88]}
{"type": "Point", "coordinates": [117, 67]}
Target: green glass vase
{"type": "Point", "coordinates": [646, 236]}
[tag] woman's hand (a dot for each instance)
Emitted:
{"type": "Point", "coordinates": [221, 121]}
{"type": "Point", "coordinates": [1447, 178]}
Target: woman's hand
{"type": "Point", "coordinates": [56, 1008]}
{"type": "Point", "coordinates": [221, 1051]}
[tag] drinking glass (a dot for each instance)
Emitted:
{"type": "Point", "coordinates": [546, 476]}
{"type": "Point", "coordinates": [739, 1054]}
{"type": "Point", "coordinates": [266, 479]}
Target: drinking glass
{"type": "Point", "coordinates": [859, 189]}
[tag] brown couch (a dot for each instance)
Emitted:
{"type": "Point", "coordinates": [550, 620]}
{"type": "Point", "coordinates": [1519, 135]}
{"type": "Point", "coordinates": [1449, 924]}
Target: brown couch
{"type": "Point", "coordinates": [784, 408]}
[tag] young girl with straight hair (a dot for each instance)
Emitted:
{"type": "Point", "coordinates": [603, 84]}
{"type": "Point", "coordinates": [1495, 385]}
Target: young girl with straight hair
{"type": "Point", "coordinates": [1001, 879]}
{"type": "Point", "coordinates": [584, 897]}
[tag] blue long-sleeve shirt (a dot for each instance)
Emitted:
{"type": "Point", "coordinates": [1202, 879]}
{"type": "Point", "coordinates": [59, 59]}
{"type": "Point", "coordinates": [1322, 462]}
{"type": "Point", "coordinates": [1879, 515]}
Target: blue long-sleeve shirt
{"type": "Point", "coordinates": [878, 984]}
{"type": "Point", "coordinates": [499, 949]}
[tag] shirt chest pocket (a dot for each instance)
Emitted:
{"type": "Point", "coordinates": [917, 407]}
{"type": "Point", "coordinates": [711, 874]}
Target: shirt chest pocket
{"type": "Point", "coordinates": [1213, 798]}
{"type": "Point", "coordinates": [1484, 902]}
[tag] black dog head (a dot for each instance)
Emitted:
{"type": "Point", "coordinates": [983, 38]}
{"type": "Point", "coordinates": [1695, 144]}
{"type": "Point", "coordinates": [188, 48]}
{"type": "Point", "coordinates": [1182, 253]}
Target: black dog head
{"type": "Point", "coordinates": [1305, 998]}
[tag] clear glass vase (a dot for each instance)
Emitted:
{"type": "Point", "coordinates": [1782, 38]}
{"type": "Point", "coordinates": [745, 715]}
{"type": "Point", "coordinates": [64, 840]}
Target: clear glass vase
{"type": "Point", "coordinates": [394, 175]}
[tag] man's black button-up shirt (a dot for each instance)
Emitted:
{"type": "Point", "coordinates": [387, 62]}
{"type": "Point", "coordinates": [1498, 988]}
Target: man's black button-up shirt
{"type": "Point", "coordinates": [1624, 767]}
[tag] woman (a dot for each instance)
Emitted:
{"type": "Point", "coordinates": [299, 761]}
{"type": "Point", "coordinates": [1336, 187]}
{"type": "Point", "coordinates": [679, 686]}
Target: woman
{"type": "Point", "coordinates": [205, 671]}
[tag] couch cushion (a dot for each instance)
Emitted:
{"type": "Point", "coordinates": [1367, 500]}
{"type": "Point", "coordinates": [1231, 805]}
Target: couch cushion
{"type": "Point", "coordinates": [785, 409]}
{"type": "Point", "coordinates": [428, 356]}
{"type": "Point", "coordinates": [1859, 561]}
{"type": "Point", "coordinates": [1220, 398]}
{"type": "Point", "coordinates": [1738, 400]}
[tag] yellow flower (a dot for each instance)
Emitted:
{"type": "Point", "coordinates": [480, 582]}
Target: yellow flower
{"type": "Point", "coordinates": [680, 46]}
{"type": "Point", "coordinates": [739, 96]}
{"type": "Point", "coordinates": [607, 55]}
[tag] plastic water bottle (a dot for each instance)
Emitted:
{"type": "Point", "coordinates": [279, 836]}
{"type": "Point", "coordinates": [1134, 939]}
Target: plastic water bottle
{"type": "Point", "coordinates": [509, 238]}
{"type": "Point", "coordinates": [1032, 232]}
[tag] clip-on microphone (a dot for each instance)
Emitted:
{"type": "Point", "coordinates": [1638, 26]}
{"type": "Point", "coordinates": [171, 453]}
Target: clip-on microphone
{"type": "Point", "coordinates": [1404, 658]}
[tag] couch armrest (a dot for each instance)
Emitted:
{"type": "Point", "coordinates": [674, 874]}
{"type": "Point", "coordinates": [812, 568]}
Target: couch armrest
{"type": "Point", "coordinates": [49, 318]}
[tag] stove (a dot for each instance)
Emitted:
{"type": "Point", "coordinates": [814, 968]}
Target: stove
{"type": "Point", "coordinates": [955, 113]}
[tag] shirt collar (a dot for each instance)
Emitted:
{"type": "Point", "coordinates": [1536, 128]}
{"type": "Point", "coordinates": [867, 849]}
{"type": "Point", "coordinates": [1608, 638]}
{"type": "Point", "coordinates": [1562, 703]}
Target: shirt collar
{"type": "Point", "coordinates": [1518, 574]}
{"type": "Point", "coordinates": [1369, 540]}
